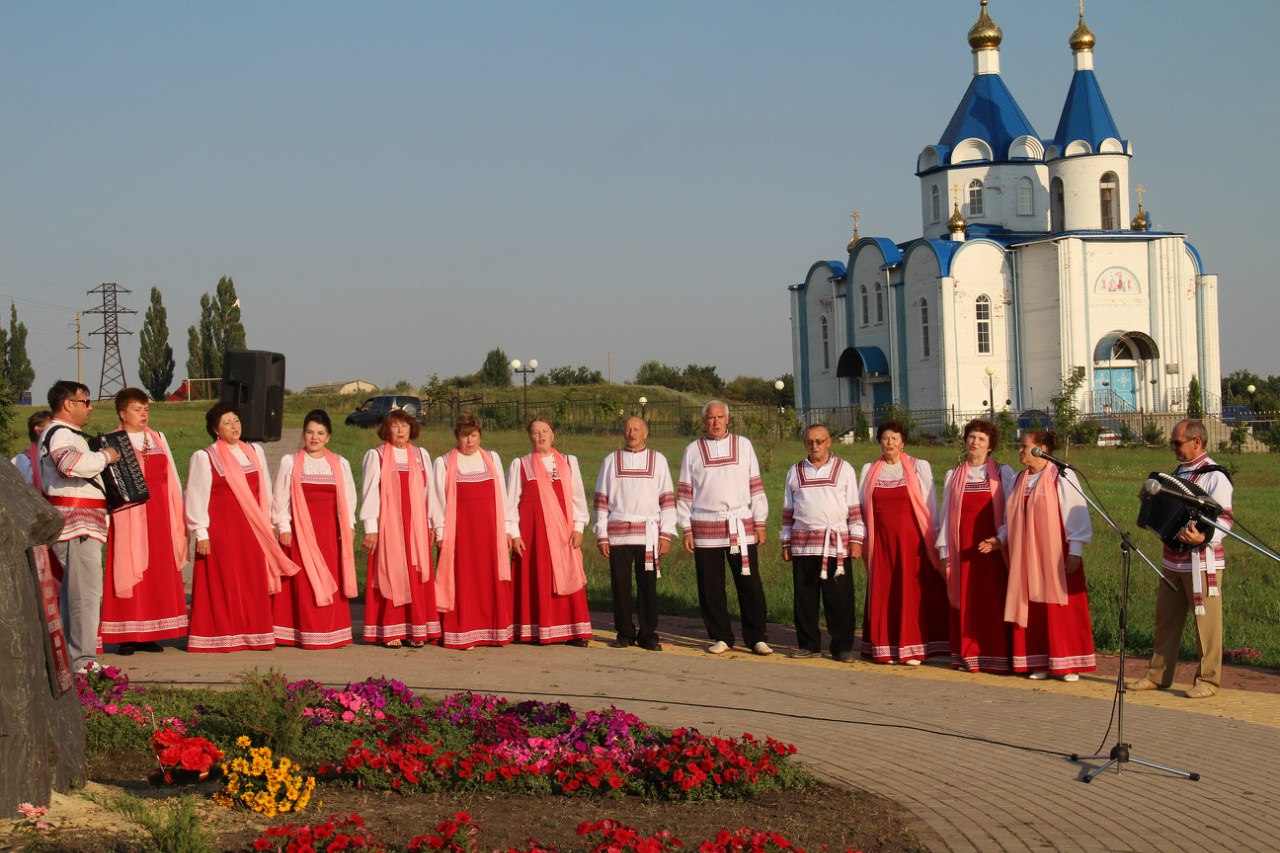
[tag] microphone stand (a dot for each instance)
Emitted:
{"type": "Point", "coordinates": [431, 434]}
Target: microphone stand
{"type": "Point", "coordinates": [1120, 754]}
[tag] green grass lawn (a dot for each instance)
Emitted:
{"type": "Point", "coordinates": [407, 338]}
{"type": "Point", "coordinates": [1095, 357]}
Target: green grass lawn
{"type": "Point", "coordinates": [1251, 582]}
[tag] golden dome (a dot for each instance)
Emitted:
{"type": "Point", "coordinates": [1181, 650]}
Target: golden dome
{"type": "Point", "coordinates": [1139, 222]}
{"type": "Point", "coordinates": [1082, 38]}
{"type": "Point", "coordinates": [957, 222]}
{"type": "Point", "coordinates": [985, 33]}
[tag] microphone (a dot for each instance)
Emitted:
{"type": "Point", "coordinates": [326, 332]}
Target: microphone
{"type": "Point", "coordinates": [1041, 453]}
{"type": "Point", "coordinates": [1204, 503]}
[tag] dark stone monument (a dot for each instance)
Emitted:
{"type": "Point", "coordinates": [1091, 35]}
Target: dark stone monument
{"type": "Point", "coordinates": [41, 734]}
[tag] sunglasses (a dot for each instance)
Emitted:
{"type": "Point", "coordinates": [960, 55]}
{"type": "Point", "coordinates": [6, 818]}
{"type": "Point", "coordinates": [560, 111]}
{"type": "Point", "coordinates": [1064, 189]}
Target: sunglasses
{"type": "Point", "coordinates": [85, 403]}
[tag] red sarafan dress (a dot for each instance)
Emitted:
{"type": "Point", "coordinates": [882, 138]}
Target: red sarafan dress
{"type": "Point", "coordinates": [980, 638]}
{"type": "Point", "coordinates": [155, 608]}
{"type": "Point", "coordinates": [416, 619]}
{"type": "Point", "coordinates": [482, 613]}
{"type": "Point", "coordinates": [299, 620]}
{"type": "Point", "coordinates": [230, 591]}
{"type": "Point", "coordinates": [906, 615]}
{"type": "Point", "coordinates": [1057, 638]}
{"type": "Point", "coordinates": [542, 616]}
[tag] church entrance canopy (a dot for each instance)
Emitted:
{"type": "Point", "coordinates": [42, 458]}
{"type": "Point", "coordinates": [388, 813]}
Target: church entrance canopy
{"type": "Point", "coordinates": [857, 362]}
{"type": "Point", "coordinates": [1126, 346]}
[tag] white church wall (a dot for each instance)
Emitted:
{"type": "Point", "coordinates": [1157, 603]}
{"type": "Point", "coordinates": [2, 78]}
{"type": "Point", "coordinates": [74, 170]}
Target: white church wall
{"type": "Point", "coordinates": [979, 270]}
{"type": "Point", "coordinates": [1082, 192]}
{"type": "Point", "coordinates": [1037, 329]}
{"type": "Point", "coordinates": [924, 368]}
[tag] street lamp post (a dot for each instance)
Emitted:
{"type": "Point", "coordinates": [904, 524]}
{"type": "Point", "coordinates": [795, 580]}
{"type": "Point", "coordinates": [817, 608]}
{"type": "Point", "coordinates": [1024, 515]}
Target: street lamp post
{"type": "Point", "coordinates": [644, 402]}
{"type": "Point", "coordinates": [1253, 406]}
{"type": "Point", "coordinates": [991, 393]}
{"type": "Point", "coordinates": [524, 370]}
{"type": "Point", "coordinates": [782, 406]}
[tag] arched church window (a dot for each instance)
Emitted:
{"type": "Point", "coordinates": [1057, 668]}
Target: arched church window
{"type": "Point", "coordinates": [866, 313]}
{"type": "Point", "coordinates": [935, 202]}
{"type": "Point", "coordinates": [924, 326]}
{"type": "Point", "coordinates": [1026, 201]}
{"type": "Point", "coordinates": [826, 346]}
{"type": "Point", "coordinates": [982, 311]}
{"type": "Point", "coordinates": [975, 198]}
{"type": "Point", "coordinates": [1110, 198]}
{"type": "Point", "coordinates": [1057, 205]}
{"type": "Point", "coordinates": [879, 303]}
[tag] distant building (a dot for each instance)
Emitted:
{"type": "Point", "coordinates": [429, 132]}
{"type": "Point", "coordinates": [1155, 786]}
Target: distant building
{"type": "Point", "coordinates": [1030, 264]}
{"type": "Point", "coordinates": [356, 386]}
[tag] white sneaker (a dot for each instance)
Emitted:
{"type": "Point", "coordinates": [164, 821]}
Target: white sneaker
{"type": "Point", "coordinates": [1070, 677]}
{"type": "Point", "coordinates": [719, 647]}
{"type": "Point", "coordinates": [912, 662]}
{"type": "Point", "coordinates": [762, 648]}
{"type": "Point", "coordinates": [1039, 675]}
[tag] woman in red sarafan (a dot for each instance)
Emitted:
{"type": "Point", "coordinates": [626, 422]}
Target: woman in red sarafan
{"type": "Point", "coordinates": [314, 511]}
{"type": "Point", "coordinates": [239, 563]}
{"type": "Point", "coordinates": [400, 601]}
{"type": "Point", "coordinates": [143, 599]}
{"type": "Point", "coordinates": [545, 489]}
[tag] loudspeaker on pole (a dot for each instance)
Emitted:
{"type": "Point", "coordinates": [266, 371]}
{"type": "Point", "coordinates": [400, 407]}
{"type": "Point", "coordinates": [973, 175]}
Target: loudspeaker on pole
{"type": "Point", "coordinates": [253, 381]}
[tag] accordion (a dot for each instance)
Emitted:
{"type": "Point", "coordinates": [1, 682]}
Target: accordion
{"type": "Point", "coordinates": [122, 481]}
{"type": "Point", "coordinates": [1165, 515]}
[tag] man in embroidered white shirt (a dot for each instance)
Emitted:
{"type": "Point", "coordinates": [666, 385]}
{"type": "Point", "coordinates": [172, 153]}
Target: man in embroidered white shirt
{"type": "Point", "coordinates": [722, 509]}
{"type": "Point", "coordinates": [69, 473]}
{"type": "Point", "coordinates": [822, 534]}
{"type": "Point", "coordinates": [635, 521]}
{"type": "Point", "coordinates": [1195, 574]}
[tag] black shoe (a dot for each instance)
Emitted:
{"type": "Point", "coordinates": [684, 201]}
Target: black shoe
{"type": "Point", "coordinates": [801, 654]}
{"type": "Point", "coordinates": [844, 657]}
{"type": "Point", "coordinates": [126, 649]}
{"type": "Point", "coordinates": [580, 642]}
{"type": "Point", "coordinates": [621, 642]}
{"type": "Point", "coordinates": [148, 647]}
{"type": "Point", "coordinates": [651, 645]}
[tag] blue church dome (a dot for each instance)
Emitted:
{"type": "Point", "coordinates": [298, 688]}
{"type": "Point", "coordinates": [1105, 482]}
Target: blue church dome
{"type": "Point", "coordinates": [1085, 115]}
{"type": "Point", "coordinates": [988, 112]}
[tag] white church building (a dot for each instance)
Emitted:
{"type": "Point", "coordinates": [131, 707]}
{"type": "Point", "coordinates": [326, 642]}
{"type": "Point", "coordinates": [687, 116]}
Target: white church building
{"type": "Point", "coordinates": [1030, 265]}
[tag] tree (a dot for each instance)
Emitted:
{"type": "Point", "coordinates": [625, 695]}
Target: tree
{"type": "Point", "coordinates": [1066, 412]}
{"type": "Point", "coordinates": [701, 379]}
{"type": "Point", "coordinates": [657, 373]}
{"type": "Point", "coordinates": [219, 330]}
{"type": "Point", "coordinates": [1195, 399]}
{"type": "Point", "coordinates": [568, 376]}
{"type": "Point", "coordinates": [17, 366]}
{"type": "Point", "coordinates": [155, 355]}
{"type": "Point", "coordinates": [496, 370]}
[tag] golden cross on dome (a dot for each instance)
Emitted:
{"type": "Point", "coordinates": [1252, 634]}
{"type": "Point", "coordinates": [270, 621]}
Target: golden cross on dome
{"type": "Point", "coordinates": [1140, 189]}
{"type": "Point", "coordinates": [854, 216]}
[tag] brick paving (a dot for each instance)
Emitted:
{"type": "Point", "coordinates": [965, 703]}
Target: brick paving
{"type": "Point", "coordinates": [981, 762]}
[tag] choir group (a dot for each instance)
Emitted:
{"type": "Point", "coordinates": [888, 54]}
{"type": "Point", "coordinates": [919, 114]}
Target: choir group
{"type": "Point", "coordinates": [460, 556]}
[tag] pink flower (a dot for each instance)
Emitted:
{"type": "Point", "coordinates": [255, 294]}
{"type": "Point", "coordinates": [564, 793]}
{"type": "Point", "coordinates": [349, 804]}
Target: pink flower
{"type": "Point", "coordinates": [32, 811]}
{"type": "Point", "coordinates": [111, 709]}
{"type": "Point", "coordinates": [348, 716]}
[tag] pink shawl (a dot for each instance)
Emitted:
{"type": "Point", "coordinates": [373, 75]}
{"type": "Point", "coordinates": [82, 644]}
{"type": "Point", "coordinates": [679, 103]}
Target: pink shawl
{"type": "Point", "coordinates": [130, 552]}
{"type": "Point", "coordinates": [393, 576]}
{"type": "Point", "coordinates": [257, 511]}
{"type": "Point", "coordinates": [323, 586]}
{"type": "Point", "coordinates": [33, 456]}
{"type": "Point", "coordinates": [567, 575]}
{"type": "Point", "coordinates": [1037, 561]}
{"type": "Point", "coordinates": [955, 502]}
{"type": "Point", "coordinates": [446, 586]}
{"type": "Point", "coordinates": [919, 511]}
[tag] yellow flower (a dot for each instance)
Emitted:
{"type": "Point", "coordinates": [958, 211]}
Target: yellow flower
{"type": "Point", "coordinates": [243, 741]}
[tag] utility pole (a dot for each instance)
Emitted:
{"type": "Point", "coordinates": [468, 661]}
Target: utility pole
{"type": "Point", "coordinates": [112, 378]}
{"type": "Point", "coordinates": [79, 348]}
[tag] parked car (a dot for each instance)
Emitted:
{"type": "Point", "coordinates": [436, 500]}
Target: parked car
{"type": "Point", "coordinates": [1238, 415]}
{"type": "Point", "coordinates": [373, 410]}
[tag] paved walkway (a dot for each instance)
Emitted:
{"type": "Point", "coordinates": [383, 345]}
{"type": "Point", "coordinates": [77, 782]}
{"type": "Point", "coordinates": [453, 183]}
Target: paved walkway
{"type": "Point", "coordinates": [982, 762]}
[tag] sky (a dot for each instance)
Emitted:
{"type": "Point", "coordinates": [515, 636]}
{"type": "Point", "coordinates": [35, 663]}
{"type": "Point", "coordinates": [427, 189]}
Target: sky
{"type": "Point", "coordinates": [399, 187]}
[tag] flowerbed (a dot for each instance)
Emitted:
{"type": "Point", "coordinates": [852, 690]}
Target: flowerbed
{"type": "Point", "coordinates": [460, 835]}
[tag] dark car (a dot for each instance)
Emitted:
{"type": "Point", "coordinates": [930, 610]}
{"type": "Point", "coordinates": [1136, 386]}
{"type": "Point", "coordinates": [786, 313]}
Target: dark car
{"type": "Point", "coordinates": [372, 411]}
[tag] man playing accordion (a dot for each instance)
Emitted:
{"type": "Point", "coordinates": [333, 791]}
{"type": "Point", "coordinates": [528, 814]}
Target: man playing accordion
{"type": "Point", "coordinates": [1195, 573]}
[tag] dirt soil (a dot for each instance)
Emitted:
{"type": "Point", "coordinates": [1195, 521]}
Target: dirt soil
{"type": "Point", "coordinates": [812, 818]}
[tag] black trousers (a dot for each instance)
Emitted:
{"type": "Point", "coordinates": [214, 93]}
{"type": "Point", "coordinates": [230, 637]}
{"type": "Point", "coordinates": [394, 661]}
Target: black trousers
{"type": "Point", "coordinates": [837, 598]}
{"type": "Point", "coordinates": [714, 602]}
{"type": "Point", "coordinates": [626, 561]}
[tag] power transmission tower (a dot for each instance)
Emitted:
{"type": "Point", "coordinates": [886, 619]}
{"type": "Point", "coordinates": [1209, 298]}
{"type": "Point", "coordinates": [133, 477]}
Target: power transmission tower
{"type": "Point", "coordinates": [112, 366]}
